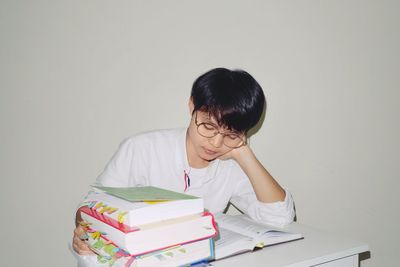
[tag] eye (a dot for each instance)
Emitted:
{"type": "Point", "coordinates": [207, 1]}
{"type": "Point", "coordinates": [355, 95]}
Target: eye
{"type": "Point", "coordinates": [233, 136]}
{"type": "Point", "coordinates": [209, 127]}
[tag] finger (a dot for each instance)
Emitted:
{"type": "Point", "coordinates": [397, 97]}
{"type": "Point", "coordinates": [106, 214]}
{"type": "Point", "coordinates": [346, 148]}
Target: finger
{"type": "Point", "coordinates": [84, 252]}
{"type": "Point", "coordinates": [81, 233]}
{"type": "Point", "coordinates": [79, 230]}
{"type": "Point", "coordinates": [81, 247]}
{"type": "Point", "coordinates": [79, 242]}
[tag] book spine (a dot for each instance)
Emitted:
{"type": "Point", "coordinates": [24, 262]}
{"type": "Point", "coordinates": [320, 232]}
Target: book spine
{"type": "Point", "coordinates": [130, 213]}
{"type": "Point", "coordinates": [193, 254]}
{"type": "Point", "coordinates": [108, 220]}
{"type": "Point", "coordinates": [109, 253]}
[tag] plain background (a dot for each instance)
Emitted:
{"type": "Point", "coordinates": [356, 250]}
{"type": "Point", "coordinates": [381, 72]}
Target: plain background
{"type": "Point", "coordinates": [76, 77]}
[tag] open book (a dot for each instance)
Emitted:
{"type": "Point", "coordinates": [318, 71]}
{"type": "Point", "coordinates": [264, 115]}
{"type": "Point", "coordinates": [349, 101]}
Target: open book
{"type": "Point", "coordinates": [238, 234]}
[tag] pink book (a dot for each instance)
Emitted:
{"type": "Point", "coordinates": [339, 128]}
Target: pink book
{"type": "Point", "coordinates": [142, 239]}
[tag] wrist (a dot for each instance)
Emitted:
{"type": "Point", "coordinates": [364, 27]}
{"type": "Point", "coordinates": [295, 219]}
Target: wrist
{"type": "Point", "coordinates": [242, 153]}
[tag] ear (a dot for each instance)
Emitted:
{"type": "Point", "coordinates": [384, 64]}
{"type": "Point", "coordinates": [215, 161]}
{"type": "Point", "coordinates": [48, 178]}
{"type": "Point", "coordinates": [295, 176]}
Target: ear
{"type": "Point", "coordinates": [191, 106]}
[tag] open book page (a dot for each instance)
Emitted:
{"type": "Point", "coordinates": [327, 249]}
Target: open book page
{"type": "Point", "coordinates": [229, 243]}
{"type": "Point", "coordinates": [239, 233]}
{"type": "Point", "coordinates": [242, 225]}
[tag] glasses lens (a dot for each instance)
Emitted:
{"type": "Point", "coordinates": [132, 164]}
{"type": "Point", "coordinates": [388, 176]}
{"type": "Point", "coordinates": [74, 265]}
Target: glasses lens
{"type": "Point", "coordinates": [233, 140]}
{"type": "Point", "coordinates": [207, 130]}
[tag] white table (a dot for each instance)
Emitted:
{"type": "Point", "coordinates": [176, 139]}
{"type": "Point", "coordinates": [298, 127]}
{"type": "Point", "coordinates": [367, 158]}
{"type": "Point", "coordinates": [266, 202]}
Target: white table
{"type": "Point", "coordinates": [318, 248]}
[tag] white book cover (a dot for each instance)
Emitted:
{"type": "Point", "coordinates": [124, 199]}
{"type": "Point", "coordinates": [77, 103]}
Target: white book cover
{"type": "Point", "coordinates": [135, 213]}
{"type": "Point", "coordinates": [151, 237]}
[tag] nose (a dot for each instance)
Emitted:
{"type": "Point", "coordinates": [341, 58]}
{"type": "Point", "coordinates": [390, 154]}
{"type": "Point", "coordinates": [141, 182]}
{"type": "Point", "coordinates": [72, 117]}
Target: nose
{"type": "Point", "coordinates": [217, 140]}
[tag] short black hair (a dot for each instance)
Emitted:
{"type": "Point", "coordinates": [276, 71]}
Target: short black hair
{"type": "Point", "coordinates": [233, 97]}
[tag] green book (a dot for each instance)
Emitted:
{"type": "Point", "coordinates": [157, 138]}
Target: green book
{"type": "Point", "coordinates": [144, 193]}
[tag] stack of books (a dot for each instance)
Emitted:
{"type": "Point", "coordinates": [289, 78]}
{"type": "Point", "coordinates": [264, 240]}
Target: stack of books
{"type": "Point", "coordinates": [147, 226]}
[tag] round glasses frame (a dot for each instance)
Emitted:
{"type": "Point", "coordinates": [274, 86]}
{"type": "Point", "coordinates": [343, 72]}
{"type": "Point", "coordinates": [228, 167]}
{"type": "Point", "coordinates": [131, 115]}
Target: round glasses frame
{"type": "Point", "coordinates": [210, 130]}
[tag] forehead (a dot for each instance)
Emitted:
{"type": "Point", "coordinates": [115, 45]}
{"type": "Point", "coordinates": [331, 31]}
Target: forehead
{"type": "Point", "coordinates": [208, 117]}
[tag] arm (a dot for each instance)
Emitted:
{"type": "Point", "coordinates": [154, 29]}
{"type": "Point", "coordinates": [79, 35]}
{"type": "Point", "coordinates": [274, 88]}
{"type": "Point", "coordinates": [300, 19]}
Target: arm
{"type": "Point", "coordinates": [116, 173]}
{"type": "Point", "coordinates": [265, 186]}
{"type": "Point", "coordinates": [257, 193]}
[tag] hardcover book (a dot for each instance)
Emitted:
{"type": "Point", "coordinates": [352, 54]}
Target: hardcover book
{"type": "Point", "coordinates": [147, 238]}
{"type": "Point", "coordinates": [142, 205]}
{"type": "Point", "coordinates": [182, 255]}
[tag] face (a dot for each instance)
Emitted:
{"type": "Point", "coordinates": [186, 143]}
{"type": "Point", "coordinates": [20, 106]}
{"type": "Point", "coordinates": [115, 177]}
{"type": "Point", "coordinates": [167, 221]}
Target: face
{"type": "Point", "coordinates": [204, 149]}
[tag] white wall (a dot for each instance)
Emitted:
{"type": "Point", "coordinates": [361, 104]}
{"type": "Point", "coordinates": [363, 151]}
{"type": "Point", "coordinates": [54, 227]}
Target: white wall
{"type": "Point", "coordinates": [76, 77]}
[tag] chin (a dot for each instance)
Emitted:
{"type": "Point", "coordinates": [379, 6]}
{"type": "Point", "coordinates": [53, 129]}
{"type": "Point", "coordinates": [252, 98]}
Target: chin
{"type": "Point", "coordinates": [209, 157]}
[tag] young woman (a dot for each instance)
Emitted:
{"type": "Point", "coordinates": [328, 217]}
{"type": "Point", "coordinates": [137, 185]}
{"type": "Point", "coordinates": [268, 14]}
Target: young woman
{"type": "Point", "coordinates": [210, 158]}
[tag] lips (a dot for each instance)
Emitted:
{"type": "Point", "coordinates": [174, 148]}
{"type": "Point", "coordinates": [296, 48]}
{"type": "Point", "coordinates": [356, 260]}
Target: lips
{"type": "Point", "coordinates": [210, 152]}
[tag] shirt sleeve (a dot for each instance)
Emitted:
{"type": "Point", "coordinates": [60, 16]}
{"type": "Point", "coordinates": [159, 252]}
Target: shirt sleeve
{"type": "Point", "coordinates": [118, 171]}
{"type": "Point", "coordinates": [278, 213]}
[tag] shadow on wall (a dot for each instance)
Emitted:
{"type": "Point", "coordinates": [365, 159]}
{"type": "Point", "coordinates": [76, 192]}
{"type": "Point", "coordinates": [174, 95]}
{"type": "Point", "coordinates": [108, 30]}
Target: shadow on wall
{"type": "Point", "coordinates": [257, 127]}
{"type": "Point", "coordinates": [363, 256]}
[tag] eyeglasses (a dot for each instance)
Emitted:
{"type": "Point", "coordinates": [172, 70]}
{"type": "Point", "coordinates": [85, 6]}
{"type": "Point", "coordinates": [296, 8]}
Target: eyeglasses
{"type": "Point", "coordinates": [209, 130]}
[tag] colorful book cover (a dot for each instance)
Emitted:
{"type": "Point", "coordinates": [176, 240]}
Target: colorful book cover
{"type": "Point", "coordinates": [189, 254]}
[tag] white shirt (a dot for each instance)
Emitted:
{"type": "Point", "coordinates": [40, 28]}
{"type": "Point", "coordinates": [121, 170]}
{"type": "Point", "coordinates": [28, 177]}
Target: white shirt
{"type": "Point", "coordinates": [158, 158]}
